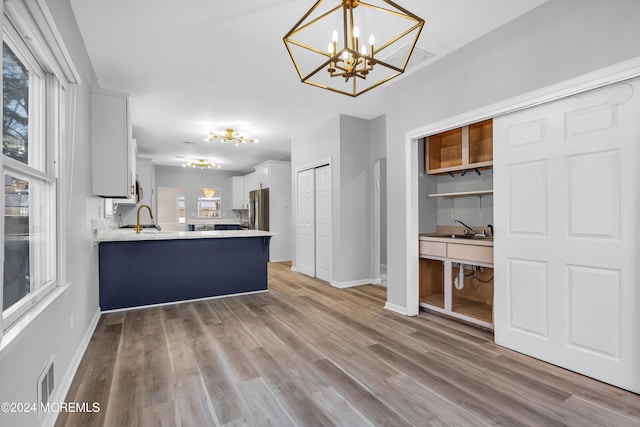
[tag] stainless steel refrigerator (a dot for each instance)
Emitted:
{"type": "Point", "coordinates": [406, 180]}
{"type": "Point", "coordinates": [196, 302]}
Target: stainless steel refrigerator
{"type": "Point", "coordinates": [259, 209]}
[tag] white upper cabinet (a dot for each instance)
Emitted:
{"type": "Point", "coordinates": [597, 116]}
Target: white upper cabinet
{"type": "Point", "coordinates": [250, 182]}
{"type": "Point", "coordinates": [262, 176]}
{"type": "Point", "coordinates": [113, 147]}
{"type": "Point", "coordinates": [145, 174]}
{"type": "Point", "coordinates": [238, 198]}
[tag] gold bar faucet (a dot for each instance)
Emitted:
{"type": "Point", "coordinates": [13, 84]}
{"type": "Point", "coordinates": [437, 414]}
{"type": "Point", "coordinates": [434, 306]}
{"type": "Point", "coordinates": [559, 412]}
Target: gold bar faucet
{"type": "Point", "coordinates": [138, 226]}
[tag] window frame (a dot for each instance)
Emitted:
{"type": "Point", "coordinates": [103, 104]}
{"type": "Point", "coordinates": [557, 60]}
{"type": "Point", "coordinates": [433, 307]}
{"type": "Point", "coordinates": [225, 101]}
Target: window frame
{"type": "Point", "coordinates": [30, 32]}
{"type": "Point", "coordinates": [216, 196]}
{"type": "Point", "coordinates": [38, 168]}
{"type": "Point", "coordinates": [180, 199]}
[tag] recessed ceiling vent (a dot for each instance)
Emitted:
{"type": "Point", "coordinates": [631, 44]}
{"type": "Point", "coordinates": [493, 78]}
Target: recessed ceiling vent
{"type": "Point", "coordinates": [418, 57]}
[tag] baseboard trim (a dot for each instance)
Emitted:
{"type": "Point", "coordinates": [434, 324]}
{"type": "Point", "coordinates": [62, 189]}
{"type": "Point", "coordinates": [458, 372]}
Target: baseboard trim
{"type": "Point", "coordinates": [395, 308]}
{"type": "Point", "coordinates": [343, 285]}
{"type": "Point", "coordinates": [64, 385]}
{"type": "Point", "coordinates": [162, 304]}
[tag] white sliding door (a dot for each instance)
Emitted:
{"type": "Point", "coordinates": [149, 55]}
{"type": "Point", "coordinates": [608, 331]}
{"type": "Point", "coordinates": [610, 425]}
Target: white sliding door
{"type": "Point", "coordinates": [567, 215]}
{"type": "Point", "coordinates": [305, 233]}
{"type": "Point", "coordinates": [323, 223]}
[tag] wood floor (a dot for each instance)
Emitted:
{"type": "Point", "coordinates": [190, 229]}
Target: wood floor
{"type": "Point", "coordinates": [308, 354]}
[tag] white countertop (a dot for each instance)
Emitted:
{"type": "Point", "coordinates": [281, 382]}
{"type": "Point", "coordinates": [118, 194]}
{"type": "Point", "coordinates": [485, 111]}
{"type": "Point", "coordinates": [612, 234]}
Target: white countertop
{"type": "Point", "coordinates": [442, 238]}
{"type": "Point", "coordinates": [129, 235]}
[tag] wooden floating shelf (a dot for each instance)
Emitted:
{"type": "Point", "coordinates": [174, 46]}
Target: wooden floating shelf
{"type": "Point", "coordinates": [463, 193]}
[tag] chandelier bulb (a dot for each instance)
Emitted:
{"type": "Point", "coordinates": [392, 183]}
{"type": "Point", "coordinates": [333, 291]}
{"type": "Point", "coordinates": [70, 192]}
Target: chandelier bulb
{"type": "Point", "coordinates": [356, 31]}
{"type": "Point", "coordinates": [372, 40]}
{"type": "Point", "coordinates": [334, 36]}
{"type": "Point", "coordinates": [363, 51]}
{"type": "Point", "coordinates": [330, 49]}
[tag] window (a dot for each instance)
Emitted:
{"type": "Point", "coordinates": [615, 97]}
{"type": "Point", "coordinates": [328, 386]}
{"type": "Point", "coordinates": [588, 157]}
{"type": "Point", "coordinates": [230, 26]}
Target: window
{"type": "Point", "coordinates": [30, 131]}
{"type": "Point", "coordinates": [209, 204]}
{"type": "Point", "coordinates": [180, 206]}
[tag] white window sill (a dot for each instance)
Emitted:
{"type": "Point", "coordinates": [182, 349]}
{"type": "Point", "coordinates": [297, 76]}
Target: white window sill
{"type": "Point", "coordinates": [13, 334]}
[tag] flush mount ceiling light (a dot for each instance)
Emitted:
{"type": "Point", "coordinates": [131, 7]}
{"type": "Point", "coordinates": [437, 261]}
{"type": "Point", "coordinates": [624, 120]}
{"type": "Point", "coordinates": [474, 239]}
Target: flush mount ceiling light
{"type": "Point", "coordinates": [230, 136]}
{"type": "Point", "coordinates": [327, 50]}
{"type": "Point", "coordinates": [201, 164]}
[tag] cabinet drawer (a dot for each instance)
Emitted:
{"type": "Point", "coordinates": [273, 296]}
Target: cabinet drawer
{"type": "Point", "coordinates": [433, 248]}
{"type": "Point", "coordinates": [470, 252]}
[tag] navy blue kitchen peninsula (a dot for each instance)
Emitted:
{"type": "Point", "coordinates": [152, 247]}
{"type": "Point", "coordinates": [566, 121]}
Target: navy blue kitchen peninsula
{"type": "Point", "coordinates": [155, 268]}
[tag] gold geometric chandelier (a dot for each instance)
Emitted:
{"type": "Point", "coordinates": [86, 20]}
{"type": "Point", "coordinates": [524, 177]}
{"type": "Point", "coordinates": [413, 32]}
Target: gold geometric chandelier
{"type": "Point", "coordinates": [201, 164]}
{"type": "Point", "coordinates": [327, 50]}
{"type": "Point", "coordinates": [230, 136]}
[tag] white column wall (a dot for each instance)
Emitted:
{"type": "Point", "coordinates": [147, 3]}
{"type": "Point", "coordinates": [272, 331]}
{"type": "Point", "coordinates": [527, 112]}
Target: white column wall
{"type": "Point", "coordinates": [345, 141]}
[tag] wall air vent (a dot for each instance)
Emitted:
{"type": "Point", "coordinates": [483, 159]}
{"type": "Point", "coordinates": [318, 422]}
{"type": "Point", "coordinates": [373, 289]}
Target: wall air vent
{"type": "Point", "coordinates": [46, 384]}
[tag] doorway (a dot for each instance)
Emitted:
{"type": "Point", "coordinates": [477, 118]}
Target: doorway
{"type": "Point", "coordinates": [171, 208]}
{"type": "Point", "coordinates": [380, 220]}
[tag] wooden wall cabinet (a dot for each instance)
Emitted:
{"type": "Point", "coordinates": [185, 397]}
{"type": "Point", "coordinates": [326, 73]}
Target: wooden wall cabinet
{"type": "Point", "coordinates": [468, 147]}
{"type": "Point", "coordinates": [113, 147]}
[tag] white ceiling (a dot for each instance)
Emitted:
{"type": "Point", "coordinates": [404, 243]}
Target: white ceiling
{"type": "Point", "coordinates": [196, 66]}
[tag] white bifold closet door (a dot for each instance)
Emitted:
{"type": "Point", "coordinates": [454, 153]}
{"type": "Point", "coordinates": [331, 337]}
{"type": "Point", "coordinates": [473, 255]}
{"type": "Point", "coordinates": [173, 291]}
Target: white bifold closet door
{"type": "Point", "coordinates": [313, 235]}
{"type": "Point", "coordinates": [323, 223]}
{"type": "Point", "coordinates": [305, 232]}
{"type": "Point", "coordinates": [567, 241]}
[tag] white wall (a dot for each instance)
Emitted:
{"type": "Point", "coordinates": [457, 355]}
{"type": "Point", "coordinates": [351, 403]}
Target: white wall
{"type": "Point", "coordinates": [473, 211]}
{"type": "Point", "coordinates": [345, 140]}
{"type": "Point", "coordinates": [192, 180]}
{"type": "Point", "coordinates": [554, 42]}
{"type": "Point", "coordinates": [54, 333]}
{"type": "Point", "coordinates": [321, 141]}
{"type": "Point", "coordinates": [378, 153]}
{"type": "Point", "coordinates": [280, 210]}
{"type": "Point", "coordinates": [352, 230]}
{"type": "Point", "coordinates": [427, 206]}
